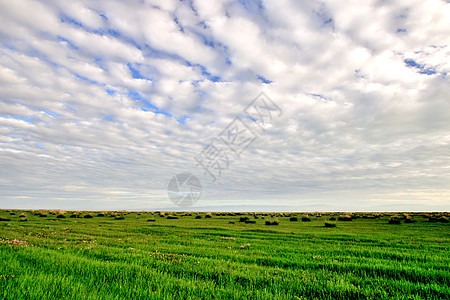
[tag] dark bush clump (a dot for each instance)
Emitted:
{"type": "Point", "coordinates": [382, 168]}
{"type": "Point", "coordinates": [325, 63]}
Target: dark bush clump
{"type": "Point", "coordinates": [22, 216]}
{"type": "Point", "coordinates": [327, 224]}
{"type": "Point", "coordinates": [394, 221]}
{"type": "Point", "coordinates": [207, 216]}
{"type": "Point", "coordinates": [198, 217]}
{"type": "Point", "coordinates": [73, 216]}
{"type": "Point", "coordinates": [243, 219]}
{"type": "Point", "coordinates": [293, 219]}
{"type": "Point", "coordinates": [275, 222]}
{"type": "Point", "coordinates": [443, 220]}
{"type": "Point", "coordinates": [151, 220]}
{"type": "Point", "coordinates": [172, 217]}
{"type": "Point", "coordinates": [60, 216]}
{"type": "Point", "coordinates": [345, 218]}
{"type": "Point", "coordinates": [100, 215]}
{"type": "Point", "coordinates": [332, 219]}
{"type": "Point", "coordinates": [4, 219]}
{"type": "Point", "coordinates": [306, 219]}
{"type": "Point", "coordinates": [88, 216]}
{"type": "Point", "coordinates": [43, 215]}
{"type": "Point", "coordinates": [119, 218]}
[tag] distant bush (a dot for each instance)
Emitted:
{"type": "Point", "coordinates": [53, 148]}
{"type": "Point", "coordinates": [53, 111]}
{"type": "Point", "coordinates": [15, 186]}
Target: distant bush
{"type": "Point", "coordinates": [172, 217]}
{"type": "Point", "coordinates": [12, 213]}
{"type": "Point", "coordinates": [306, 219]}
{"type": "Point", "coordinates": [60, 216]}
{"type": "Point", "coordinates": [327, 224]}
{"type": "Point", "coordinates": [100, 215]}
{"type": "Point", "coordinates": [345, 218]}
{"type": "Point", "coordinates": [23, 220]}
{"type": "Point", "coordinates": [231, 222]}
{"type": "Point", "coordinates": [73, 216]}
{"type": "Point", "coordinates": [43, 215]}
{"type": "Point", "coordinates": [151, 220]}
{"type": "Point", "coordinates": [207, 216]}
{"type": "Point", "coordinates": [443, 220]}
{"type": "Point", "coordinates": [198, 217]}
{"type": "Point", "coordinates": [22, 216]}
{"type": "Point", "coordinates": [272, 223]}
{"type": "Point", "coordinates": [332, 219]}
{"type": "Point", "coordinates": [243, 219]}
{"type": "Point", "coordinates": [119, 218]}
{"type": "Point", "coordinates": [88, 216]}
{"type": "Point", "coordinates": [4, 219]}
{"type": "Point", "coordinates": [394, 221]}
{"type": "Point", "coordinates": [293, 219]}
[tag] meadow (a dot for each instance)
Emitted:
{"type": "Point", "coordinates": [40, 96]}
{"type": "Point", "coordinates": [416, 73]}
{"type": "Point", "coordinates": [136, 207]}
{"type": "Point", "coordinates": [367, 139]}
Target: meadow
{"type": "Point", "coordinates": [179, 255]}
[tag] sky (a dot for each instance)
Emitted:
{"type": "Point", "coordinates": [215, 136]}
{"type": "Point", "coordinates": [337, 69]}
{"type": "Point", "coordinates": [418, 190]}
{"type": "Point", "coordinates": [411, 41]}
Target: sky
{"type": "Point", "coordinates": [227, 105]}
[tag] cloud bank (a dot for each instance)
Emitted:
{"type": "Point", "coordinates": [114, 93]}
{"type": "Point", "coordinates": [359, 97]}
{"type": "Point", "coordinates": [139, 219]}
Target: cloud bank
{"type": "Point", "coordinates": [102, 103]}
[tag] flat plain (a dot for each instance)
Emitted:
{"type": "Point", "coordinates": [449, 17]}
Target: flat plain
{"type": "Point", "coordinates": [180, 255]}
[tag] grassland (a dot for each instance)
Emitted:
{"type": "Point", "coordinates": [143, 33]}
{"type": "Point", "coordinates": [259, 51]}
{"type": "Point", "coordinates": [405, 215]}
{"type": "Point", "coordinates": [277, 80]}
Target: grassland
{"type": "Point", "coordinates": [148, 255]}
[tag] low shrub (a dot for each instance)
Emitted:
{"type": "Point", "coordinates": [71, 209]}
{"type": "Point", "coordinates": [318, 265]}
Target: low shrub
{"type": "Point", "coordinates": [208, 216]}
{"type": "Point", "coordinates": [345, 218]}
{"type": "Point", "coordinates": [100, 215]}
{"type": "Point", "coordinates": [443, 220]}
{"type": "Point", "coordinates": [22, 216]}
{"type": "Point", "coordinates": [198, 217]}
{"type": "Point", "coordinates": [88, 216]}
{"type": "Point", "coordinates": [60, 216]}
{"type": "Point", "coordinates": [394, 221]}
{"type": "Point", "coordinates": [332, 219]}
{"type": "Point", "coordinates": [293, 219]}
{"type": "Point", "coordinates": [243, 219]}
{"type": "Point", "coordinates": [273, 222]}
{"type": "Point", "coordinates": [172, 217]}
{"type": "Point", "coordinates": [151, 220]}
{"type": "Point", "coordinates": [306, 219]}
{"type": "Point", "coordinates": [119, 218]}
{"type": "Point", "coordinates": [327, 224]}
{"type": "Point", "coordinates": [4, 219]}
{"type": "Point", "coordinates": [43, 215]}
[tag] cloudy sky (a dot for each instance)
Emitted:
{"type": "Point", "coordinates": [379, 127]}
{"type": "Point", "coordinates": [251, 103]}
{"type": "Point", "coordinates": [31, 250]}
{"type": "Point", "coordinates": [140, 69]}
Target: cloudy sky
{"type": "Point", "coordinates": [103, 102]}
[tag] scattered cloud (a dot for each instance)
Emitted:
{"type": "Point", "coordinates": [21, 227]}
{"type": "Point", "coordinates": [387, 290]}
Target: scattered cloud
{"type": "Point", "coordinates": [102, 103]}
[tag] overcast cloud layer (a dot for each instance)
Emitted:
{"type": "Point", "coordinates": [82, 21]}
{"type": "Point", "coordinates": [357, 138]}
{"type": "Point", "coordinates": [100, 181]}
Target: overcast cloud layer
{"type": "Point", "coordinates": [102, 102]}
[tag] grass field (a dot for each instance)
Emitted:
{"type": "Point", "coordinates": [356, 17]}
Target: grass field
{"type": "Point", "coordinates": [145, 255]}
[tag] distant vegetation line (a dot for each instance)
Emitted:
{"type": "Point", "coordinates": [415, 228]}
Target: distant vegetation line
{"type": "Point", "coordinates": [52, 254]}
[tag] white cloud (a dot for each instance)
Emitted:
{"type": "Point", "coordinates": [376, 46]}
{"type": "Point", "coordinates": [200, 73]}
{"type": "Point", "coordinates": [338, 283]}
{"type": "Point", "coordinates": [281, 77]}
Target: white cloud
{"type": "Point", "coordinates": [107, 101]}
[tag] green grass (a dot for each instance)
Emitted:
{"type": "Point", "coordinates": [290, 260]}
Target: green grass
{"type": "Point", "coordinates": [110, 257]}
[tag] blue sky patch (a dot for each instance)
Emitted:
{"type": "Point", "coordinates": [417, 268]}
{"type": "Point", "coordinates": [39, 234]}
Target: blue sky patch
{"type": "Point", "coordinates": [422, 70]}
{"type": "Point", "coordinates": [263, 80]}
